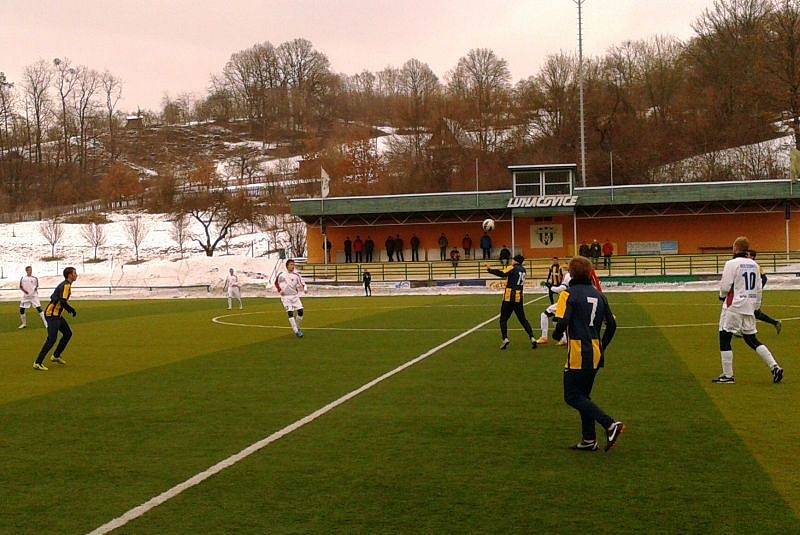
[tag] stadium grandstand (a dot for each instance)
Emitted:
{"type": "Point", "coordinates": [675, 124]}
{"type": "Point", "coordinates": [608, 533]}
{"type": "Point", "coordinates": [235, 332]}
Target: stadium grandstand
{"type": "Point", "coordinates": [655, 230]}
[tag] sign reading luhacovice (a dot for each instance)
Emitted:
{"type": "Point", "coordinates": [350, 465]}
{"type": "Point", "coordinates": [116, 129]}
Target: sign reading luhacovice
{"type": "Point", "coordinates": [549, 201]}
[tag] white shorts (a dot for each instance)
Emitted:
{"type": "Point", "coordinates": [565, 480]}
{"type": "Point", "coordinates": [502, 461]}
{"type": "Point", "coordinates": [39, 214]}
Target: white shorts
{"type": "Point", "coordinates": [291, 302]}
{"type": "Point", "coordinates": [734, 322]}
{"type": "Point", "coordinates": [30, 302]}
{"type": "Point", "coordinates": [235, 291]}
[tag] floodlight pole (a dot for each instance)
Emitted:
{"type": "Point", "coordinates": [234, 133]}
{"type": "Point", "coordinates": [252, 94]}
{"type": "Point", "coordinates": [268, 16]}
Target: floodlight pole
{"type": "Point", "coordinates": [579, 3]}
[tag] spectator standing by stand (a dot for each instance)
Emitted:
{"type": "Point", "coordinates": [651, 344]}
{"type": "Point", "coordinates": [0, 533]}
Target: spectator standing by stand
{"type": "Point", "coordinates": [369, 248]}
{"type": "Point", "coordinates": [608, 250]}
{"type": "Point", "coordinates": [595, 250]}
{"type": "Point", "coordinates": [486, 246]}
{"type": "Point", "coordinates": [358, 249]}
{"type": "Point", "coordinates": [398, 249]}
{"type": "Point", "coordinates": [390, 248]}
{"type": "Point", "coordinates": [584, 250]}
{"type": "Point", "coordinates": [348, 250]}
{"type": "Point", "coordinates": [414, 248]}
{"type": "Point", "coordinates": [466, 243]}
{"type": "Point", "coordinates": [443, 247]}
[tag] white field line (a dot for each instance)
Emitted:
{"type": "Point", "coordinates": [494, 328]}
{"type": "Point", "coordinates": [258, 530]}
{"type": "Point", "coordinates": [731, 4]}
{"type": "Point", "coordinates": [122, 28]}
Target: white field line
{"type": "Point", "coordinates": [140, 510]}
{"type": "Point", "coordinates": [219, 320]}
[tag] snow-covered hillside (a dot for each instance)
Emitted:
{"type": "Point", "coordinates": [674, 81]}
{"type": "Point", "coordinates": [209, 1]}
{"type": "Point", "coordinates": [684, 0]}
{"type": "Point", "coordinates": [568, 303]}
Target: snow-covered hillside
{"type": "Point", "coordinates": [22, 244]}
{"type": "Point", "coordinates": [765, 160]}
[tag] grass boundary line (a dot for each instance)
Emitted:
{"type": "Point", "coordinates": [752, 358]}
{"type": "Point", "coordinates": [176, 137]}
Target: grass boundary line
{"type": "Point", "coordinates": [218, 321]}
{"type": "Point", "coordinates": [142, 509]}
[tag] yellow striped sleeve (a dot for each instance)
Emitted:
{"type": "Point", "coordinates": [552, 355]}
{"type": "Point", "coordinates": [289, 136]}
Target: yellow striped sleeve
{"type": "Point", "coordinates": [561, 306]}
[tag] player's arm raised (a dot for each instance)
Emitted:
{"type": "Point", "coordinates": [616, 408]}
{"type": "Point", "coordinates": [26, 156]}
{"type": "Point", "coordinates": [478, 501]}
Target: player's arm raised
{"type": "Point", "coordinates": [502, 273]}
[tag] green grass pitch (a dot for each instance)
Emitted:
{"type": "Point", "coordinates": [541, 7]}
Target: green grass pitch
{"type": "Point", "coordinates": [470, 440]}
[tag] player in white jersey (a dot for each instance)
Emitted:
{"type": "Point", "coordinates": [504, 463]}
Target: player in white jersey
{"type": "Point", "coordinates": [30, 297]}
{"type": "Point", "coordinates": [550, 312]}
{"type": "Point", "coordinates": [740, 293]}
{"type": "Point", "coordinates": [291, 286]}
{"type": "Point", "coordinates": [233, 289]}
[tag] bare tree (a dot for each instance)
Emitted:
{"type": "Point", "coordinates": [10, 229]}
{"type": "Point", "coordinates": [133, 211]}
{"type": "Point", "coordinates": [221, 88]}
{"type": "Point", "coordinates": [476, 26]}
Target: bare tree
{"type": "Point", "coordinates": [112, 89]}
{"type": "Point", "coordinates": [254, 78]}
{"type": "Point", "coordinates": [227, 239]}
{"type": "Point", "coordinates": [213, 206]}
{"type": "Point", "coordinates": [66, 76]}
{"type": "Point", "coordinates": [217, 212]}
{"type": "Point", "coordinates": [85, 89]}
{"type": "Point", "coordinates": [557, 83]}
{"type": "Point", "coordinates": [95, 236]}
{"type": "Point", "coordinates": [180, 231]}
{"type": "Point", "coordinates": [420, 87]}
{"type": "Point", "coordinates": [136, 228]}
{"type": "Point", "coordinates": [243, 164]}
{"type": "Point", "coordinates": [37, 78]}
{"type": "Point", "coordinates": [304, 71]}
{"type": "Point", "coordinates": [483, 82]}
{"type": "Point", "coordinates": [296, 234]}
{"type": "Point", "coordinates": [7, 104]}
{"type": "Point", "coordinates": [52, 231]}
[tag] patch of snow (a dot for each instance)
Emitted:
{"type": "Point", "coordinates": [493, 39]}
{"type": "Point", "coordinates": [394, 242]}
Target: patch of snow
{"type": "Point", "coordinates": [22, 245]}
{"type": "Point", "coordinates": [765, 160]}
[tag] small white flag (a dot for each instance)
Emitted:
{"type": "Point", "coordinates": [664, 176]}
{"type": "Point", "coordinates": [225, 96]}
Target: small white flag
{"type": "Point", "coordinates": [326, 182]}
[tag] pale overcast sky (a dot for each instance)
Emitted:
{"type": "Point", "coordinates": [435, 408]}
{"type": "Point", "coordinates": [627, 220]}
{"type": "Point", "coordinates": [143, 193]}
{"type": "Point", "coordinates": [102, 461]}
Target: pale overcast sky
{"type": "Point", "coordinates": [174, 46]}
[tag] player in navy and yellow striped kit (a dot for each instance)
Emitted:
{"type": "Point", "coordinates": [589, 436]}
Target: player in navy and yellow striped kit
{"type": "Point", "coordinates": [513, 300]}
{"type": "Point", "coordinates": [582, 310]}
{"type": "Point", "coordinates": [55, 323]}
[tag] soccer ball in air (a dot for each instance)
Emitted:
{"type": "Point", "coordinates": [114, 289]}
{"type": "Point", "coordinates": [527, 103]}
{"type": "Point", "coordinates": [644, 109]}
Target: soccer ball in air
{"type": "Point", "coordinates": [488, 225]}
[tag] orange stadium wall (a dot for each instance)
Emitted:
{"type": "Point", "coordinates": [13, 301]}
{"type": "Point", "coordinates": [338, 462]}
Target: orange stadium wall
{"type": "Point", "coordinates": [765, 230]}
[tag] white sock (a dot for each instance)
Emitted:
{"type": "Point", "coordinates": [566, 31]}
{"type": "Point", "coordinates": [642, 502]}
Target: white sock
{"type": "Point", "coordinates": [229, 302]}
{"type": "Point", "coordinates": [727, 363]}
{"type": "Point", "coordinates": [293, 323]}
{"type": "Point", "coordinates": [299, 320]}
{"type": "Point", "coordinates": [766, 356]}
{"type": "Point", "coordinates": [240, 304]}
{"type": "Point", "coordinates": [23, 320]}
{"type": "Point", "coordinates": [564, 338]}
{"type": "Point", "coordinates": [545, 324]}
{"type": "Point", "coordinates": [41, 315]}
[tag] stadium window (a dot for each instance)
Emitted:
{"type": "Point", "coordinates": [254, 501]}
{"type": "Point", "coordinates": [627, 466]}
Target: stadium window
{"type": "Point", "coordinates": [528, 184]}
{"type": "Point", "coordinates": [557, 183]}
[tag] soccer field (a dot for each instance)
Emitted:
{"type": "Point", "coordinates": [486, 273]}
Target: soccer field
{"type": "Point", "coordinates": [470, 439]}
